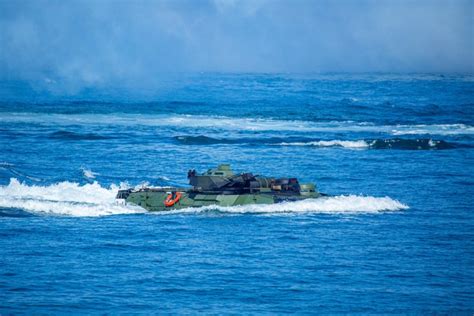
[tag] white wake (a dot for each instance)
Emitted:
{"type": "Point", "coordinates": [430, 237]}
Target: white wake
{"type": "Point", "coordinates": [64, 198]}
{"type": "Point", "coordinates": [73, 199]}
{"type": "Point", "coordinates": [342, 204]}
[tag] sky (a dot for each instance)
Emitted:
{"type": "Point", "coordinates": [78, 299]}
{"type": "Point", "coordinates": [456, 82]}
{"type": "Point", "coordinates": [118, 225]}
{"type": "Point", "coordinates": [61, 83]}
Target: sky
{"type": "Point", "coordinates": [93, 42]}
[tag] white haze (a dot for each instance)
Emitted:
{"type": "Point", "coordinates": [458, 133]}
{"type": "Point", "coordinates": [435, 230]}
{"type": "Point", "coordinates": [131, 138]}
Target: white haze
{"type": "Point", "coordinates": [90, 43]}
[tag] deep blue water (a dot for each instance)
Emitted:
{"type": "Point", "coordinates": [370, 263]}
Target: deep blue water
{"type": "Point", "coordinates": [396, 151]}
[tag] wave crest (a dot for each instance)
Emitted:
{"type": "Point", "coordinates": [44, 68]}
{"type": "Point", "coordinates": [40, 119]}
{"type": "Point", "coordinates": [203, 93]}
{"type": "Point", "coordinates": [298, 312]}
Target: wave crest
{"type": "Point", "coordinates": [389, 143]}
{"type": "Point", "coordinates": [396, 143]}
{"type": "Point", "coordinates": [331, 143]}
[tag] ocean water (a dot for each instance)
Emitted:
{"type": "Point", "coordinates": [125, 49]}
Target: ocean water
{"type": "Point", "coordinates": [395, 152]}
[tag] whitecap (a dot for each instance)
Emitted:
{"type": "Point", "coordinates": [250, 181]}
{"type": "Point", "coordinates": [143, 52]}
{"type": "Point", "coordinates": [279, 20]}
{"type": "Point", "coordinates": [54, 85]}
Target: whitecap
{"type": "Point", "coordinates": [434, 129]}
{"type": "Point", "coordinates": [354, 144]}
{"type": "Point", "coordinates": [89, 174]}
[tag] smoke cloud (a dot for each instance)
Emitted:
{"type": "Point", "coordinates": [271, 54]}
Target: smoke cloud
{"type": "Point", "coordinates": [94, 42]}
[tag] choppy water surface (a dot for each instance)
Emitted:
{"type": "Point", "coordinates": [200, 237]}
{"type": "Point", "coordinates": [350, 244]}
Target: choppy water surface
{"type": "Point", "coordinates": [395, 151]}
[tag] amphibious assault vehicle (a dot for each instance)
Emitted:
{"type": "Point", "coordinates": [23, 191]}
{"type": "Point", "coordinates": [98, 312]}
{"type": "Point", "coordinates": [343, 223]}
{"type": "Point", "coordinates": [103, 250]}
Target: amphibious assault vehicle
{"type": "Point", "coordinates": [220, 187]}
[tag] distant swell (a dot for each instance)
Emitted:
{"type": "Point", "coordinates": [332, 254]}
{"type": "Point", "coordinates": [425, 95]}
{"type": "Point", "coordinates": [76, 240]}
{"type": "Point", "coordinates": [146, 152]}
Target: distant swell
{"type": "Point", "coordinates": [67, 135]}
{"type": "Point", "coordinates": [205, 140]}
{"type": "Point", "coordinates": [236, 124]}
{"type": "Point", "coordinates": [392, 143]}
{"type": "Point", "coordinates": [72, 199]}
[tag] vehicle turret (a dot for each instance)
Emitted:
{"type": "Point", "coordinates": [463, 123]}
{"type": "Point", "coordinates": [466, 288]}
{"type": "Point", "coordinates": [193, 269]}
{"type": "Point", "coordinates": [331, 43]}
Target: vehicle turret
{"type": "Point", "coordinates": [223, 180]}
{"type": "Point", "coordinates": [212, 179]}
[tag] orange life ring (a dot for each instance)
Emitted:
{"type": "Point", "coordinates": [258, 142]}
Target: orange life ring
{"type": "Point", "coordinates": [170, 201]}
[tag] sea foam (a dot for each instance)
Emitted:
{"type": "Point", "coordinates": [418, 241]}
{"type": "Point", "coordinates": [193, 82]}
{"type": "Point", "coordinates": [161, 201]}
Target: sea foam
{"type": "Point", "coordinates": [64, 198]}
{"type": "Point", "coordinates": [357, 144]}
{"type": "Point", "coordinates": [73, 199]}
{"type": "Point", "coordinates": [396, 143]}
{"type": "Point", "coordinates": [229, 123]}
{"type": "Point", "coordinates": [89, 174]}
{"type": "Point", "coordinates": [342, 204]}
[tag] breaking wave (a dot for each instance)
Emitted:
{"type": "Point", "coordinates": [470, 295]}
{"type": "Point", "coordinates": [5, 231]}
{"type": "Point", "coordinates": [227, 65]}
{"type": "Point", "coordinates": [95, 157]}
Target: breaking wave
{"type": "Point", "coordinates": [331, 143]}
{"type": "Point", "coordinates": [410, 144]}
{"type": "Point", "coordinates": [73, 199]}
{"type": "Point", "coordinates": [395, 143]}
{"type": "Point", "coordinates": [406, 144]}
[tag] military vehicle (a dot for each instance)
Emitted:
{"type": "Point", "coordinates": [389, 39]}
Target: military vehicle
{"type": "Point", "coordinates": [220, 187]}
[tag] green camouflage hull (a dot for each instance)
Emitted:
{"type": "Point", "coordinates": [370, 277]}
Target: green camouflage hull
{"type": "Point", "coordinates": [154, 200]}
{"type": "Point", "coordinates": [220, 187]}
